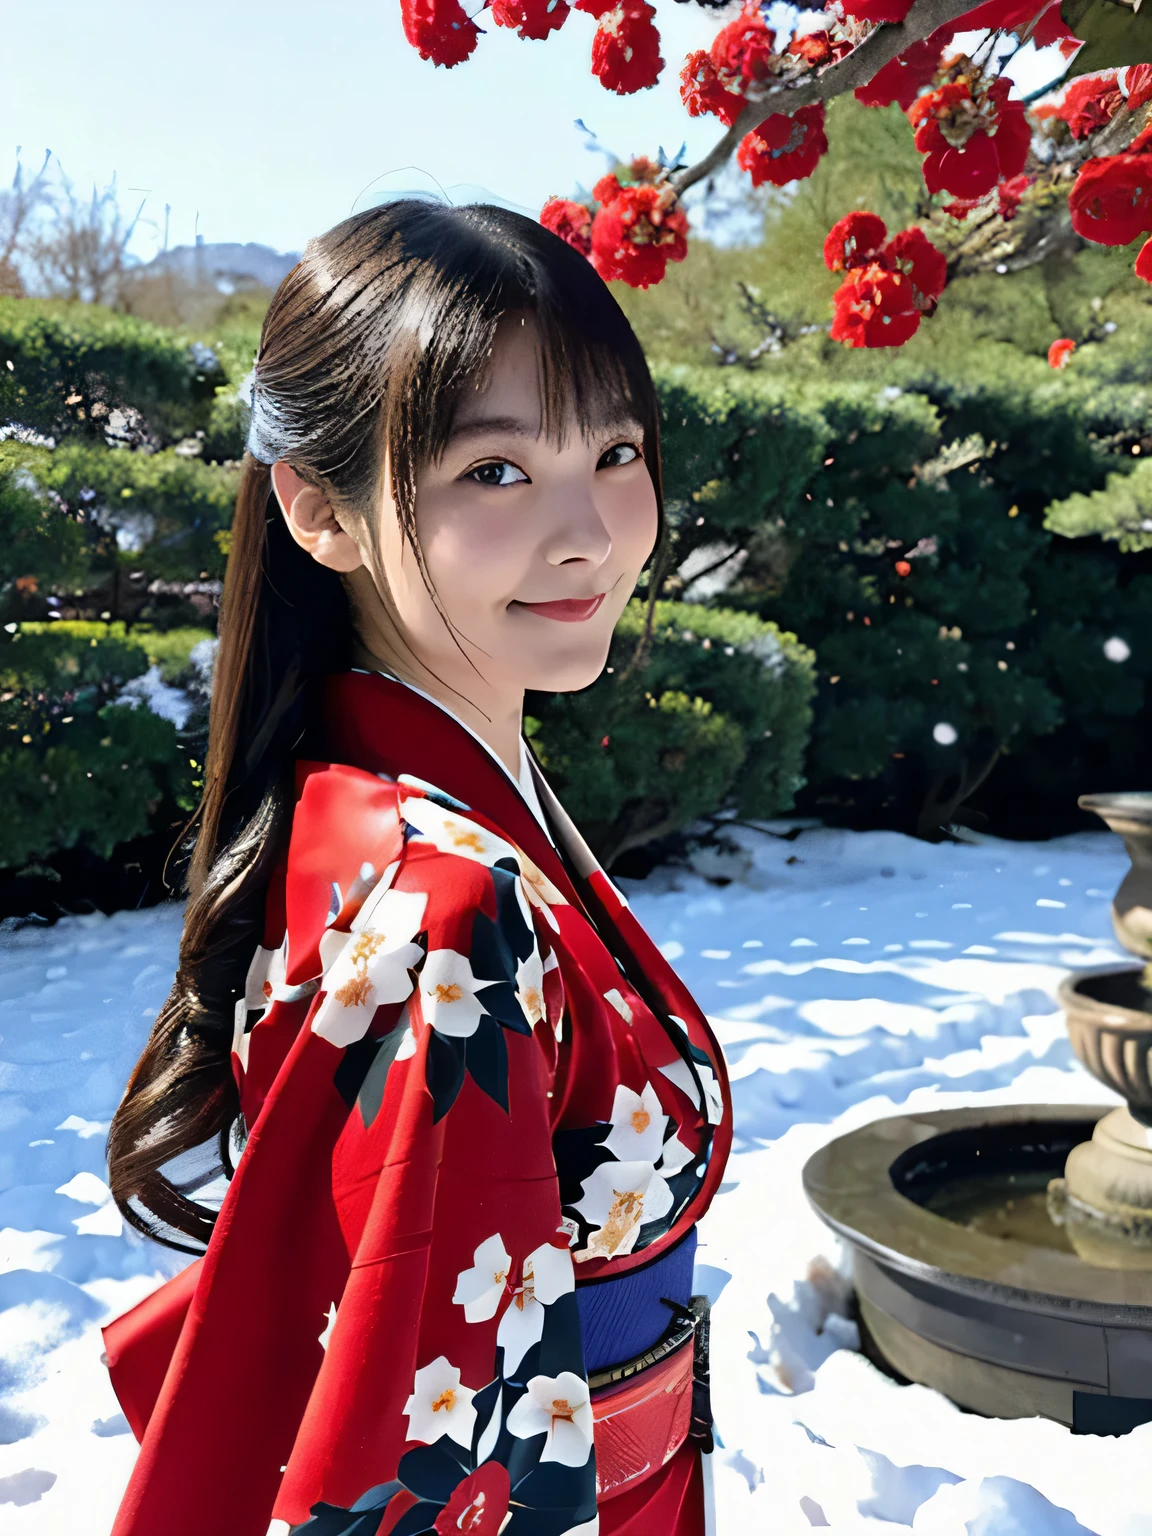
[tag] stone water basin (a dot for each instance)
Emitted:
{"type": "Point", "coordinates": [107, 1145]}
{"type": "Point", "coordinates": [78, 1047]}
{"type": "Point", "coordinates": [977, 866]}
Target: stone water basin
{"type": "Point", "coordinates": [964, 1281]}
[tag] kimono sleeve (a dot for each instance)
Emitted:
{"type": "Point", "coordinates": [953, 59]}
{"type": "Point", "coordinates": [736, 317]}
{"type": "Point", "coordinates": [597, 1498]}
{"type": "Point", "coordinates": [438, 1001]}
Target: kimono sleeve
{"type": "Point", "coordinates": [452, 1394]}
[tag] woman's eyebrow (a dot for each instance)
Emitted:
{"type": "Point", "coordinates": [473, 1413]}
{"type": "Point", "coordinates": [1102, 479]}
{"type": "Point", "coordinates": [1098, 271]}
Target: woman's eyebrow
{"type": "Point", "coordinates": [479, 426]}
{"type": "Point", "coordinates": [517, 426]}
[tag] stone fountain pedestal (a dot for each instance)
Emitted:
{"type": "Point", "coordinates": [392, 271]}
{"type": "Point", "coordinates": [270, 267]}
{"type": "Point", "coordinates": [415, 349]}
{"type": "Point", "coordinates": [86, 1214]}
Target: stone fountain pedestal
{"type": "Point", "coordinates": [1105, 1196]}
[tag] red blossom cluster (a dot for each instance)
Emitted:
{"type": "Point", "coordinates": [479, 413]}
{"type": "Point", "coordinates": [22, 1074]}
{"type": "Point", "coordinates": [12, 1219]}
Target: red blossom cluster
{"type": "Point", "coordinates": [637, 230]}
{"type": "Point", "coordinates": [625, 45]}
{"type": "Point", "coordinates": [571, 221]}
{"type": "Point", "coordinates": [439, 30]}
{"type": "Point", "coordinates": [971, 136]}
{"type": "Point", "coordinates": [1088, 104]}
{"type": "Point", "coordinates": [742, 55]}
{"type": "Point", "coordinates": [975, 140]}
{"type": "Point", "coordinates": [888, 284]}
{"type": "Point", "coordinates": [785, 146]}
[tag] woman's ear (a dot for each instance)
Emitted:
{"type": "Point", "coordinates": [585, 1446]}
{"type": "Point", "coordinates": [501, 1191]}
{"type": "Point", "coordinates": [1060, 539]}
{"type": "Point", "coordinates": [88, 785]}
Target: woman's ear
{"type": "Point", "coordinates": [312, 522]}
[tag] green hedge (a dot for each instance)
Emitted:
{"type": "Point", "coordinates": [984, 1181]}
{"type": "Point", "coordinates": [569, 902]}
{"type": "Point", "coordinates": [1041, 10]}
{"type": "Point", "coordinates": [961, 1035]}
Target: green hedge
{"type": "Point", "coordinates": [65, 367]}
{"type": "Point", "coordinates": [902, 534]}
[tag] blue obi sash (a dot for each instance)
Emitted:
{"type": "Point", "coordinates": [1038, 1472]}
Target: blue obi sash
{"type": "Point", "coordinates": [624, 1316]}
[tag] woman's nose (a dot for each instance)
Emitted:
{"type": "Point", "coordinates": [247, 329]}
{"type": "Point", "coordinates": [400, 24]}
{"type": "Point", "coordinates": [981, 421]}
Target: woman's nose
{"type": "Point", "coordinates": [577, 530]}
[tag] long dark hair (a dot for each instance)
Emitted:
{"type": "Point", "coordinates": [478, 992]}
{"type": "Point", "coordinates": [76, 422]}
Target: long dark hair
{"type": "Point", "coordinates": [362, 356]}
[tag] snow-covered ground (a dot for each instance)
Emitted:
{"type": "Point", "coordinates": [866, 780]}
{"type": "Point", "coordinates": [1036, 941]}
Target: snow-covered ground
{"type": "Point", "coordinates": [848, 975]}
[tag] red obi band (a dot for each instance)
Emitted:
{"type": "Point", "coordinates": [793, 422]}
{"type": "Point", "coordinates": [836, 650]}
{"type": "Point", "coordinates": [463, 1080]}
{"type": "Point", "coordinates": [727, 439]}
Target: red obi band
{"type": "Point", "coordinates": [641, 1422]}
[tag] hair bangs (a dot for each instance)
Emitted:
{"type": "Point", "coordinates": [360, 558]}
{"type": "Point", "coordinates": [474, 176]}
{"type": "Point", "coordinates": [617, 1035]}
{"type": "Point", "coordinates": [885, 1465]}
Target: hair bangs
{"type": "Point", "coordinates": [491, 263]}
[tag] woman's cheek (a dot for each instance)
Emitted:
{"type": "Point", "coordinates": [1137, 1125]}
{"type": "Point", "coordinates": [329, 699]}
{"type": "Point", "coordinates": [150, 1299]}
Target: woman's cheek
{"type": "Point", "coordinates": [474, 565]}
{"type": "Point", "coordinates": [632, 522]}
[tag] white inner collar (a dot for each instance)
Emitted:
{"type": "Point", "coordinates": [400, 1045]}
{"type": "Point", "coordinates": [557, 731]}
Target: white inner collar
{"type": "Point", "coordinates": [524, 782]}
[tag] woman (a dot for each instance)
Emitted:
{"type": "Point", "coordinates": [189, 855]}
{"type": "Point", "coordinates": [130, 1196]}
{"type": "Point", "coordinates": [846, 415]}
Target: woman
{"type": "Point", "coordinates": [449, 1287]}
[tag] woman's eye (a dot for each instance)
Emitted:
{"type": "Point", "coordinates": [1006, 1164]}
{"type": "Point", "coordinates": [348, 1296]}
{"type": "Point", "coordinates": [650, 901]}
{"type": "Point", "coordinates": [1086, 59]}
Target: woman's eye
{"type": "Point", "coordinates": [498, 472]}
{"type": "Point", "coordinates": [619, 453]}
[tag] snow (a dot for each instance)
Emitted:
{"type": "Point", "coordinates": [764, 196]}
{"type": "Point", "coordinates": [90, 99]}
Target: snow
{"type": "Point", "coordinates": [848, 975]}
{"type": "Point", "coordinates": [151, 690]}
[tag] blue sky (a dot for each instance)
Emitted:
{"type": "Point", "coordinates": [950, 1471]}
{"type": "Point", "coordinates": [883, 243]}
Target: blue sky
{"type": "Point", "coordinates": [271, 121]}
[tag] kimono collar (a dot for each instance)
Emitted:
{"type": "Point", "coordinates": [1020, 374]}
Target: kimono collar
{"type": "Point", "coordinates": [377, 723]}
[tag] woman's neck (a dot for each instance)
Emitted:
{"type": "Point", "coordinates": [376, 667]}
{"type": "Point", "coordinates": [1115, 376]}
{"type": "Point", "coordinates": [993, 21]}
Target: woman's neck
{"type": "Point", "coordinates": [498, 723]}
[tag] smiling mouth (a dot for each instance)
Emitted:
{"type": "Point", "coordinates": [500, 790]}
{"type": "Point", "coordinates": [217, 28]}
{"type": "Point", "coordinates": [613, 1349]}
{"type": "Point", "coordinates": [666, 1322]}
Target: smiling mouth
{"type": "Point", "coordinates": [569, 610]}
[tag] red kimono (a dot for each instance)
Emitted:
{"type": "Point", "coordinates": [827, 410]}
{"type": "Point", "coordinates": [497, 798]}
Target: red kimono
{"type": "Point", "coordinates": [464, 1122]}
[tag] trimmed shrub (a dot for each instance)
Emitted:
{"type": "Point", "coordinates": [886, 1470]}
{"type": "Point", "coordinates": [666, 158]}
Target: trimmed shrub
{"type": "Point", "coordinates": [161, 514]}
{"type": "Point", "coordinates": [83, 759]}
{"type": "Point", "coordinates": [1122, 510]}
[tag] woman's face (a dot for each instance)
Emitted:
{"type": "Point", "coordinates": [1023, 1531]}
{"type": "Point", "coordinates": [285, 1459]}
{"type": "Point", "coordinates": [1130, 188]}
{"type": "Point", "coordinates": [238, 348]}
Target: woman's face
{"type": "Point", "coordinates": [533, 548]}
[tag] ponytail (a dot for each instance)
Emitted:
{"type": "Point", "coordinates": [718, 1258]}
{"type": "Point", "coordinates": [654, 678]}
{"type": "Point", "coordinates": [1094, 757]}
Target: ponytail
{"type": "Point", "coordinates": [283, 621]}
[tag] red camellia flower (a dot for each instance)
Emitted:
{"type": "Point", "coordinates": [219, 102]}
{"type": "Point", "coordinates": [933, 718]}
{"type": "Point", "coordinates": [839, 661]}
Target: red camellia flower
{"type": "Point", "coordinates": [531, 18]}
{"type": "Point", "coordinates": [571, 221]}
{"type": "Point", "coordinates": [439, 30]}
{"type": "Point", "coordinates": [913, 254]}
{"type": "Point", "coordinates": [1138, 83]}
{"type": "Point", "coordinates": [970, 134]}
{"type": "Point", "coordinates": [1111, 202]}
{"type": "Point", "coordinates": [874, 308]}
{"type": "Point", "coordinates": [637, 232]}
{"type": "Point", "coordinates": [854, 241]}
{"type": "Point", "coordinates": [479, 1504]}
{"type": "Point", "coordinates": [742, 51]}
{"type": "Point", "coordinates": [814, 48]}
{"type": "Point", "coordinates": [784, 148]}
{"type": "Point", "coordinates": [741, 54]}
{"type": "Point", "coordinates": [1009, 194]}
{"type": "Point", "coordinates": [701, 90]}
{"type": "Point", "coordinates": [1060, 351]}
{"type": "Point", "coordinates": [626, 48]}
{"type": "Point", "coordinates": [888, 284]}
{"type": "Point", "coordinates": [1088, 104]}
{"type": "Point", "coordinates": [904, 77]}
{"type": "Point", "coordinates": [1143, 267]}
{"type": "Point", "coordinates": [903, 568]}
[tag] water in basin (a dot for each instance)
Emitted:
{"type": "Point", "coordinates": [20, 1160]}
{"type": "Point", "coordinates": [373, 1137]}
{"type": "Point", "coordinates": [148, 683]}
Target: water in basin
{"type": "Point", "coordinates": [1002, 1205]}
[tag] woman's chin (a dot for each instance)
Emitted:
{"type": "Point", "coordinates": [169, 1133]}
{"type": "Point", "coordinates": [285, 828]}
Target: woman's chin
{"type": "Point", "coordinates": [567, 675]}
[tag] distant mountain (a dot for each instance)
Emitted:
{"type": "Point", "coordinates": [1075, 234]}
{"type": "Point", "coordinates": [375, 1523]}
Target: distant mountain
{"type": "Point", "coordinates": [224, 265]}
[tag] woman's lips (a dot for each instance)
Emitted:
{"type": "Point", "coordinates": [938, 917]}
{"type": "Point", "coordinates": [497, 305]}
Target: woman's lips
{"type": "Point", "coordinates": [569, 610]}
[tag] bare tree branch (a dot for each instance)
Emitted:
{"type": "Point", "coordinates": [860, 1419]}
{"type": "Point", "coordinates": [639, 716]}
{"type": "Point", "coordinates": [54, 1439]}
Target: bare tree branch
{"type": "Point", "coordinates": [17, 206]}
{"type": "Point", "coordinates": [83, 254]}
{"type": "Point", "coordinates": [855, 69]}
